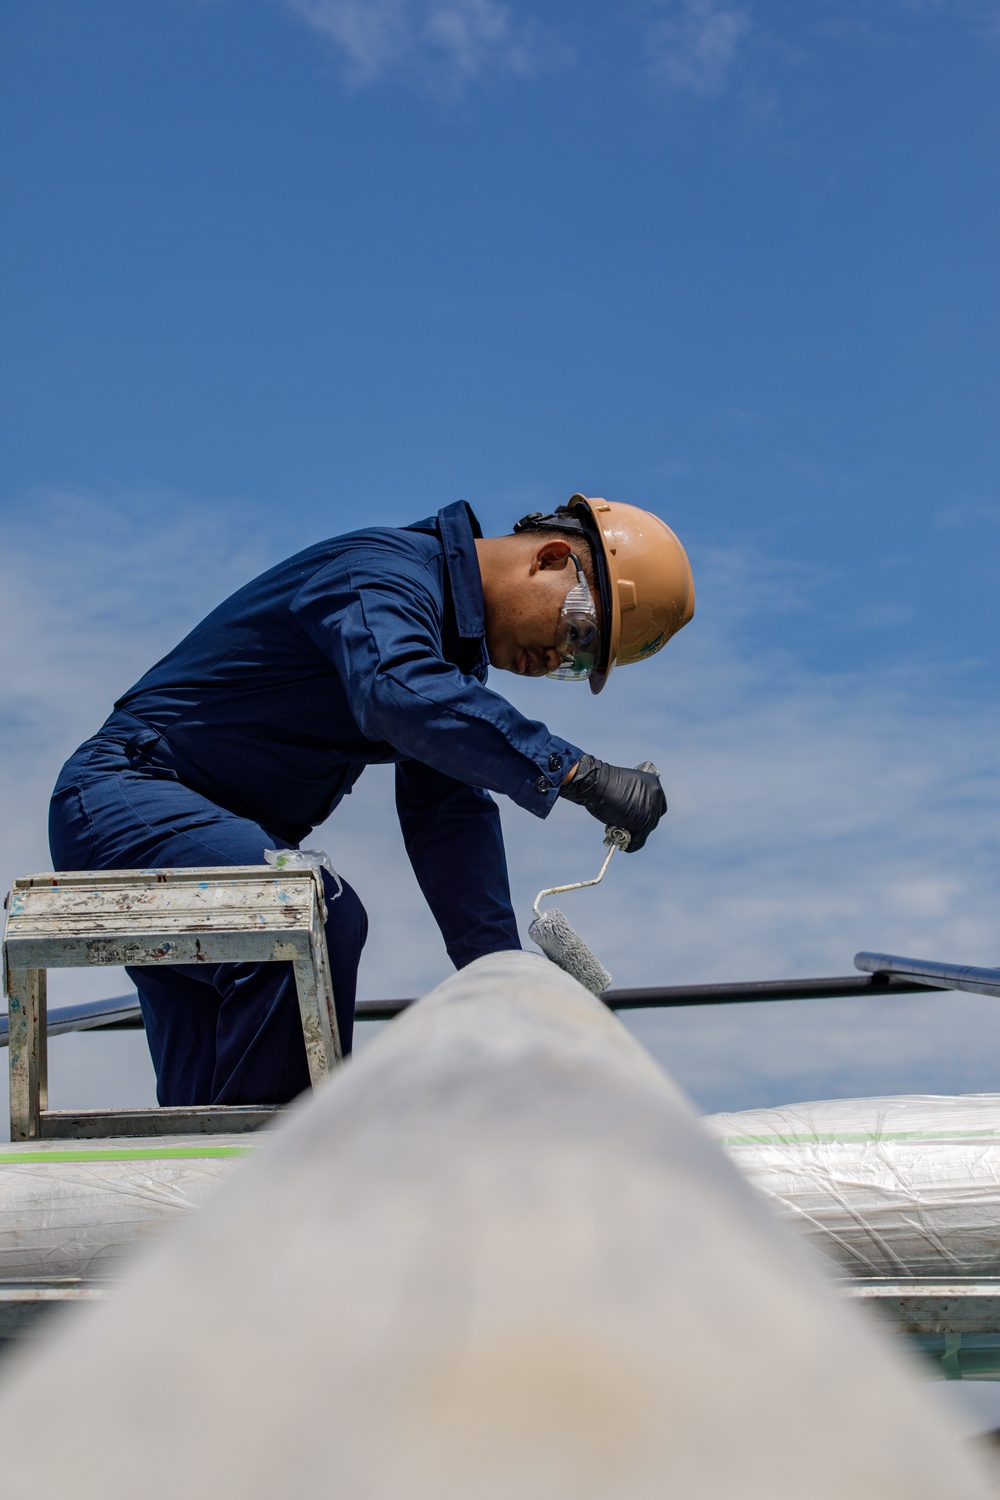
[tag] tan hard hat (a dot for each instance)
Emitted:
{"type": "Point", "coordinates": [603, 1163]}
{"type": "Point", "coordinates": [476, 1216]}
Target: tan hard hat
{"type": "Point", "coordinates": [647, 588]}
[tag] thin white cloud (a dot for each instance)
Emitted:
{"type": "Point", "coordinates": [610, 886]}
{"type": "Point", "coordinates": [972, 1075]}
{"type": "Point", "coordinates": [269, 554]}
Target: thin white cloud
{"type": "Point", "coordinates": [969, 513]}
{"type": "Point", "coordinates": [982, 16]}
{"type": "Point", "coordinates": [692, 45]}
{"type": "Point", "coordinates": [453, 40]}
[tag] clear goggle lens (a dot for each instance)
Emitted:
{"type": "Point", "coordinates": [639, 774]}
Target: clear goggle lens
{"type": "Point", "coordinates": [578, 635]}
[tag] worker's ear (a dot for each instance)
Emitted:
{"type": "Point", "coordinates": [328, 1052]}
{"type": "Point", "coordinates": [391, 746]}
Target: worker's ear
{"type": "Point", "coordinates": [551, 554]}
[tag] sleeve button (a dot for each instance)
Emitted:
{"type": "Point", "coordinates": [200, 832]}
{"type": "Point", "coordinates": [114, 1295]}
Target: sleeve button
{"type": "Point", "coordinates": [543, 785]}
{"type": "Point", "coordinates": [555, 762]}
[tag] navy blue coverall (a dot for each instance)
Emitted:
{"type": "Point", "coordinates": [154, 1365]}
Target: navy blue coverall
{"type": "Point", "coordinates": [365, 649]}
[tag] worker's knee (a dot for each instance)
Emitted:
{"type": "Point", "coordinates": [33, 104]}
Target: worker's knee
{"type": "Point", "coordinates": [346, 919]}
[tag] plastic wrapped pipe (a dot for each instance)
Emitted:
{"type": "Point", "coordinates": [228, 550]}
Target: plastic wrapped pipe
{"type": "Point", "coordinates": [496, 1255]}
{"type": "Point", "coordinates": [77, 1209]}
{"type": "Point", "coordinates": [893, 1187]}
{"type": "Point", "coordinates": [906, 1187]}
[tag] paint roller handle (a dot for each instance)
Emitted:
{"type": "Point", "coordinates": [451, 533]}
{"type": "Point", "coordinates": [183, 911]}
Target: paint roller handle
{"type": "Point", "coordinates": [620, 837]}
{"type": "Point", "coordinates": [628, 801]}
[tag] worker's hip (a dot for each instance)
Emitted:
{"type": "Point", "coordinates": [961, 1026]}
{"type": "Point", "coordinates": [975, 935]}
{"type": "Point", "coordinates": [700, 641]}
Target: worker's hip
{"type": "Point", "coordinates": [113, 808]}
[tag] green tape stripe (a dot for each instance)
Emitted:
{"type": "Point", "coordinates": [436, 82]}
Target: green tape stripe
{"type": "Point", "coordinates": [127, 1153]}
{"type": "Point", "coordinates": [850, 1139]}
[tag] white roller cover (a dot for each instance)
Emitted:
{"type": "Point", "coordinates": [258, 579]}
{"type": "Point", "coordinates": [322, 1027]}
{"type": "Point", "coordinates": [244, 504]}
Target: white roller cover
{"type": "Point", "coordinates": [892, 1187]}
{"type": "Point", "coordinates": [75, 1208]}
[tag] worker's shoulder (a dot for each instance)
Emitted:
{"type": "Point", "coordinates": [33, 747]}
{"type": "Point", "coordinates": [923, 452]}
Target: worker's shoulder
{"type": "Point", "coordinates": [376, 548]}
{"type": "Point", "coordinates": [379, 556]}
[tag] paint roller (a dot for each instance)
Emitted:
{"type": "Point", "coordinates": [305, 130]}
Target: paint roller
{"type": "Point", "coordinates": [553, 933]}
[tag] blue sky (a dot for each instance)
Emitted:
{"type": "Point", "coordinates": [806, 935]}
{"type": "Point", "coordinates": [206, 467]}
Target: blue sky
{"type": "Point", "coordinates": [277, 268]}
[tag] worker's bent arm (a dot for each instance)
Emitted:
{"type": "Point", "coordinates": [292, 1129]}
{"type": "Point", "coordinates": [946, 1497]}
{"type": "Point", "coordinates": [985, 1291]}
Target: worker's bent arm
{"type": "Point", "coordinates": [453, 837]}
{"type": "Point", "coordinates": [380, 626]}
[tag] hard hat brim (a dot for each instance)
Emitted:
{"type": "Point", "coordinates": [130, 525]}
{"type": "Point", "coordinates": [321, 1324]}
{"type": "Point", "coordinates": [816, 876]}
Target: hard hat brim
{"type": "Point", "coordinates": [644, 581]}
{"type": "Point", "coordinates": [606, 579]}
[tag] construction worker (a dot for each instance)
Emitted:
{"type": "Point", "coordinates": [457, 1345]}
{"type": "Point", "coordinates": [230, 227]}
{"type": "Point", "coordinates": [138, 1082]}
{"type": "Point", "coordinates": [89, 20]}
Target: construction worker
{"type": "Point", "coordinates": [368, 648]}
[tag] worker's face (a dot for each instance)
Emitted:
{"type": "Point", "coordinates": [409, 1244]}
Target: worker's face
{"type": "Point", "coordinates": [522, 615]}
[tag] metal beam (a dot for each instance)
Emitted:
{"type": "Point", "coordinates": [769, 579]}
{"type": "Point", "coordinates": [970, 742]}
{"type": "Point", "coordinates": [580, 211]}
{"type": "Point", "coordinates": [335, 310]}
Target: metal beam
{"type": "Point", "coordinates": [119, 1013]}
{"type": "Point", "coordinates": [937, 976]}
{"type": "Point", "coordinates": [920, 1305]}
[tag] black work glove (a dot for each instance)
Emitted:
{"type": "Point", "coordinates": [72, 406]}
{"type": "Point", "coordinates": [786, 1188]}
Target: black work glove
{"type": "Point", "coordinates": [618, 797]}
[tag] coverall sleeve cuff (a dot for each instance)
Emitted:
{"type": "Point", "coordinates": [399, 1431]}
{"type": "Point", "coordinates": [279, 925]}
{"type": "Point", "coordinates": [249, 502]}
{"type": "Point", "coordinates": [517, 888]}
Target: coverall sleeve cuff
{"type": "Point", "coordinates": [540, 788]}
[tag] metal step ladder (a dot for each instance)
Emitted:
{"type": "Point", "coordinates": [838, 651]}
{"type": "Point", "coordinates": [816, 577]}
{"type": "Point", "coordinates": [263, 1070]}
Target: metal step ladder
{"type": "Point", "coordinates": [235, 913]}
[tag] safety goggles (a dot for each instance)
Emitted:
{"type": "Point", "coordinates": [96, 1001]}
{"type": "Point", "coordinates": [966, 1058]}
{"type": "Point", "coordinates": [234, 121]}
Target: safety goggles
{"type": "Point", "coordinates": [578, 634]}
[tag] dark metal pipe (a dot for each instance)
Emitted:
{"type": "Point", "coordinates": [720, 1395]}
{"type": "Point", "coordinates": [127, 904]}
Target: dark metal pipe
{"type": "Point", "coordinates": [665, 997]}
{"type": "Point", "coordinates": [122, 1012]}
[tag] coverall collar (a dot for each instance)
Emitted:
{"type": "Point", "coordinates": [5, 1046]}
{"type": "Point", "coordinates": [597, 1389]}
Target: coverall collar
{"type": "Point", "coordinates": [458, 529]}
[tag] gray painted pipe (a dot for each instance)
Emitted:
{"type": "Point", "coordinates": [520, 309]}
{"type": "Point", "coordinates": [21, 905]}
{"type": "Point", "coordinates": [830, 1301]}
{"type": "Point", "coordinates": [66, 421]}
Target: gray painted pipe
{"type": "Point", "coordinates": [494, 1258]}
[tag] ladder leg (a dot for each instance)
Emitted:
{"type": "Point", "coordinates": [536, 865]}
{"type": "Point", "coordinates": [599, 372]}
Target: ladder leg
{"type": "Point", "coordinates": [28, 1051]}
{"type": "Point", "coordinates": [324, 986]}
{"type": "Point", "coordinates": [319, 1018]}
{"type": "Point", "coordinates": [43, 1042]}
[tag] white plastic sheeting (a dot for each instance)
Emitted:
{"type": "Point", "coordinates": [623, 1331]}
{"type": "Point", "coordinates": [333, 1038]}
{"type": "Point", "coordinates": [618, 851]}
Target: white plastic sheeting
{"type": "Point", "coordinates": [75, 1208]}
{"type": "Point", "coordinates": [894, 1187]}
{"type": "Point", "coordinates": [884, 1187]}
